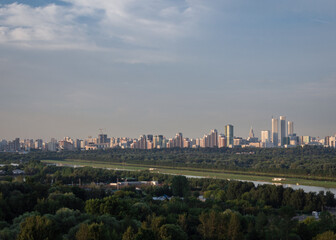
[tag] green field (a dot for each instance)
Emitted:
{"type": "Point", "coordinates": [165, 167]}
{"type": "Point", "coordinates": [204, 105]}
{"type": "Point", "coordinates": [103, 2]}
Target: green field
{"type": "Point", "coordinates": [209, 173]}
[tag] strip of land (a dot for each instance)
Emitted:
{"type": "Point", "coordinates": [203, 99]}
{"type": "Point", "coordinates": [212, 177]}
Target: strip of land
{"type": "Point", "coordinates": [209, 173]}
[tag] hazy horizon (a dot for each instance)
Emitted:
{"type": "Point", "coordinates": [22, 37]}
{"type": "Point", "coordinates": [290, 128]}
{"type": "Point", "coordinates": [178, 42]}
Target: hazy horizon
{"type": "Point", "coordinates": [71, 67]}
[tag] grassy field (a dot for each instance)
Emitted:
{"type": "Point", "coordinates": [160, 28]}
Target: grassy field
{"type": "Point", "coordinates": [209, 173]}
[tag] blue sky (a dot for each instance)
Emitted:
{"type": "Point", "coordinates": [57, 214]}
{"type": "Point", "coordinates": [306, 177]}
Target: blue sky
{"type": "Point", "coordinates": [135, 67]}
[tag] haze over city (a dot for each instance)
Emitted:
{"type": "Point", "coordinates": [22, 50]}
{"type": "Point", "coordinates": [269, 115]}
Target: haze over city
{"type": "Point", "coordinates": [69, 68]}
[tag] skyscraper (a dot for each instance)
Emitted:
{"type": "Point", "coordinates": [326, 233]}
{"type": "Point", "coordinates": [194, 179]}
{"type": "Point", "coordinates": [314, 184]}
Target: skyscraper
{"type": "Point", "coordinates": [213, 138]}
{"type": "Point", "coordinates": [229, 134]}
{"type": "Point", "coordinates": [290, 128]}
{"type": "Point", "coordinates": [283, 132]}
{"type": "Point", "coordinates": [275, 131]}
{"type": "Point", "coordinates": [102, 138]}
{"type": "Point", "coordinates": [265, 136]}
{"type": "Point", "coordinates": [178, 140]}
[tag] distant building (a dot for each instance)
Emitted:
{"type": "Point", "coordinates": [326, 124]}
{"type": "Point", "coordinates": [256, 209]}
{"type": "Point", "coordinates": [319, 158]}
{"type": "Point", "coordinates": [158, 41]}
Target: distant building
{"type": "Point", "coordinates": [186, 143]}
{"type": "Point", "coordinates": [304, 140]}
{"type": "Point", "coordinates": [290, 128]}
{"type": "Point", "coordinates": [221, 141]}
{"type": "Point", "coordinates": [229, 134]}
{"type": "Point", "coordinates": [18, 172]}
{"type": "Point", "coordinates": [275, 136]}
{"type": "Point", "coordinates": [251, 137]}
{"type": "Point", "coordinates": [102, 138]}
{"type": "Point", "coordinates": [265, 136]}
{"type": "Point", "coordinates": [255, 144]}
{"type": "Point", "coordinates": [213, 138]}
{"type": "Point", "coordinates": [38, 143]}
{"type": "Point", "coordinates": [237, 141]}
{"type": "Point", "coordinates": [283, 132]}
{"type": "Point", "coordinates": [52, 145]}
{"type": "Point", "coordinates": [332, 142]}
{"type": "Point", "coordinates": [149, 144]}
{"type": "Point", "coordinates": [150, 137]}
{"type": "Point", "coordinates": [178, 140]}
{"type": "Point", "coordinates": [65, 145]}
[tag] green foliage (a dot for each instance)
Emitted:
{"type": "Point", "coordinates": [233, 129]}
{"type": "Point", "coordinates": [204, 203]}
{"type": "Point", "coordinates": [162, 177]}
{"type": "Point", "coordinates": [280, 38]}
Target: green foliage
{"type": "Point", "coordinates": [303, 161]}
{"type": "Point", "coordinates": [93, 231]}
{"type": "Point", "coordinates": [37, 228]}
{"type": "Point", "coordinates": [180, 186]}
{"type": "Point", "coordinates": [172, 232]}
{"type": "Point", "coordinates": [128, 234]}
{"type": "Point", "coordinates": [328, 235]}
{"type": "Point", "coordinates": [233, 210]}
{"type": "Point", "coordinates": [145, 234]}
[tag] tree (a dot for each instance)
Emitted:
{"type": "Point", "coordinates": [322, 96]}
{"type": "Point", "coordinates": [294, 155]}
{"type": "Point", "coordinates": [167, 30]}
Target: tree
{"type": "Point", "coordinates": [93, 231]}
{"type": "Point", "coordinates": [234, 228]}
{"type": "Point", "coordinates": [330, 199]}
{"type": "Point", "coordinates": [180, 186]}
{"type": "Point", "coordinates": [214, 225]}
{"type": "Point", "coordinates": [37, 228]}
{"type": "Point", "coordinates": [128, 234]}
{"type": "Point", "coordinates": [145, 234]}
{"type": "Point", "coordinates": [329, 235]}
{"type": "Point", "coordinates": [172, 232]}
{"type": "Point", "coordinates": [92, 206]}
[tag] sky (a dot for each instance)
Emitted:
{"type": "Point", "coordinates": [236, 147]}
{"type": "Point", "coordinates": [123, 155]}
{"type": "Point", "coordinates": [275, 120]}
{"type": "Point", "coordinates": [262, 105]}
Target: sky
{"type": "Point", "coordinates": [130, 67]}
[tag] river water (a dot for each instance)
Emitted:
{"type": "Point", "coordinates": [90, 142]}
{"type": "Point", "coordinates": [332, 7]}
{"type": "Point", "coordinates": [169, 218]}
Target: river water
{"type": "Point", "coordinates": [294, 186]}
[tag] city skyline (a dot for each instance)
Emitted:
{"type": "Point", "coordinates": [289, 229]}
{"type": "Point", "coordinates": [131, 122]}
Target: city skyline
{"type": "Point", "coordinates": [272, 135]}
{"type": "Point", "coordinates": [214, 139]}
{"type": "Point", "coordinates": [275, 125]}
{"type": "Point", "coordinates": [71, 67]}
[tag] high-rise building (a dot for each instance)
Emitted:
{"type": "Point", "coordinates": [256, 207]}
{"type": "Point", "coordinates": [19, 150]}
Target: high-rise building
{"type": "Point", "coordinates": [156, 142]}
{"type": "Point", "coordinates": [38, 143]}
{"type": "Point", "coordinates": [265, 136]}
{"type": "Point", "coordinates": [283, 132]}
{"type": "Point", "coordinates": [213, 140]}
{"type": "Point", "coordinates": [102, 138]}
{"type": "Point", "coordinates": [178, 140]}
{"type": "Point", "coordinates": [150, 137]}
{"type": "Point", "coordinates": [142, 142]}
{"type": "Point", "coordinates": [205, 141]}
{"type": "Point", "coordinates": [290, 128]}
{"type": "Point", "coordinates": [275, 136]}
{"type": "Point", "coordinates": [229, 134]}
{"type": "Point", "coordinates": [305, 140]}
{"type": "Point", "coordinates": [186, 143]}
{"type": "Point", "coordinates": [221, 141]}
{"type": "Point", "coordinates": [52, 145]}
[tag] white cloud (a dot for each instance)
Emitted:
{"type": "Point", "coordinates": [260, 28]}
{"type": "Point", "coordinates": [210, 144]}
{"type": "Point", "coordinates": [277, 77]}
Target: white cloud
{"type": "Point", "coordinates": [119, 25]}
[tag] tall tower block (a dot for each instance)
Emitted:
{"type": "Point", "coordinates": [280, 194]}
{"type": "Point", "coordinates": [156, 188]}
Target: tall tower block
{"type": "Point", "coordinates": [275, 136]}
{"type": "Point", "coordinates": [290, 128]}
{"type": "Point", "coordinates": [283, 132]}
{"type": "Point", "coordinates": [229, 134]}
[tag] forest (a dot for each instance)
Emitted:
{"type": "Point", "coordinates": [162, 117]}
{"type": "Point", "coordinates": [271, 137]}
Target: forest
{"type": "Point", "coordinates": [50, 202]}
{"type": "Point", "coordinates": [313, 161]}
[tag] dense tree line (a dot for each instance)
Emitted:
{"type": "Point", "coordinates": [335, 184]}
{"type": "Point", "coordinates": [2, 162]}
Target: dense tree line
{"type": "Point", "coordinates": [49, 205]}
{"type": "Point", "coordinates": [304, 161]}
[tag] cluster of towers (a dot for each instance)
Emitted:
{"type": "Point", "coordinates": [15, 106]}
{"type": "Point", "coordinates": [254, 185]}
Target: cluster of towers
{"type": "Point", "coordinates": [282, 137]}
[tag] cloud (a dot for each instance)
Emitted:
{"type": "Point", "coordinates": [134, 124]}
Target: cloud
{"type": "Point", "coordinates": [102, 25]}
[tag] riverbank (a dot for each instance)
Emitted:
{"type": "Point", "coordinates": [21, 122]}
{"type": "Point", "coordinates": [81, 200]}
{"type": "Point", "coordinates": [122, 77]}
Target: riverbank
{"type": "Point", "coordinates": [209, 173]}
